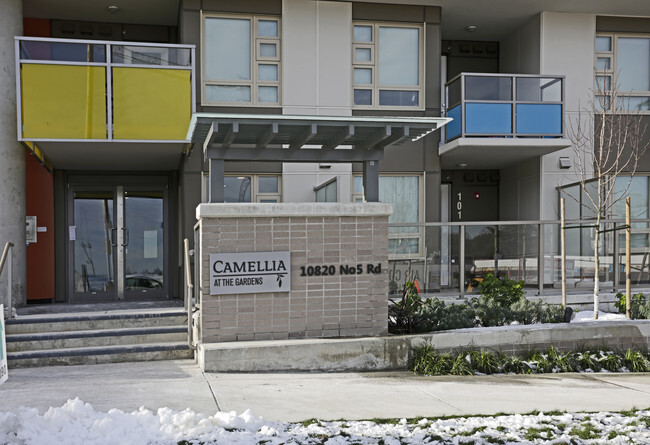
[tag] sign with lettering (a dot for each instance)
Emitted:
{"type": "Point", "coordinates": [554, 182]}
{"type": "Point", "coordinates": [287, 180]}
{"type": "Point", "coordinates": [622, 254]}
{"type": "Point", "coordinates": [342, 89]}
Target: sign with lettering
{"type": "Point", "coordinates": [248, 273]}
{"type": "Point", "coordinates": [3, 347]}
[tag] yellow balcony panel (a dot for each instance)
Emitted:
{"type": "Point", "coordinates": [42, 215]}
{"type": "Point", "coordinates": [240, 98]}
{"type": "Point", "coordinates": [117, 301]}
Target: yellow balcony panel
{"type": "Point", "coordinates": [63, 101]}
{"type": "Point", "coordinates": [151, 103]}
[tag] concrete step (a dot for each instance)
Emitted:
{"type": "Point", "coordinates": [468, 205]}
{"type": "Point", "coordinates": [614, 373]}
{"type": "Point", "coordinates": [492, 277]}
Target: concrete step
{"type": "Point", "coordinates": [92, 338]}
{"type": "Point", "coordinates": [32, 324]}
{"type": "Point", "coordinates": [100, 354]}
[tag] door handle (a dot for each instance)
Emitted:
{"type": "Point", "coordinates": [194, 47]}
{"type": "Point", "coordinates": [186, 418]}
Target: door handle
{"type": "Point", "coordinates": [113, 236]}
{"type": "Point", "coordinates": [125, 237]}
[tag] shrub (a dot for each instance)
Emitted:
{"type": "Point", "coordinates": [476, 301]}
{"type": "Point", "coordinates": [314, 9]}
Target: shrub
{"type": "Point", "coordinates": [639, 306]}
{"type": "Point", "coordinates": [503, 290]}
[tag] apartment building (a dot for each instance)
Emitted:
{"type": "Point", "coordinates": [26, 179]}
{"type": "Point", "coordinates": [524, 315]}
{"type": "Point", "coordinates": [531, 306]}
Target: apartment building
{"type": "Point", "coordinates": [119, 118]}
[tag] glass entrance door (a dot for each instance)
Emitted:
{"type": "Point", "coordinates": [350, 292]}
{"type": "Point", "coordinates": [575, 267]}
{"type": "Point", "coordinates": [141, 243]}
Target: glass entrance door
{"type": "Point", "coordinates": [118, 244]}
{"type": "Point", "coordinates": [93, 235]}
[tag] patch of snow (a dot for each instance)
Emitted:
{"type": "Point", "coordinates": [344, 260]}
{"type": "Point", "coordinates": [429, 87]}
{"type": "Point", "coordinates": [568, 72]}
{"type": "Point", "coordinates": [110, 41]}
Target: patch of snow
{"type": "Point", "coordinates": [77, 422]}
{"type": "Point", "coordinates": [586, 316]}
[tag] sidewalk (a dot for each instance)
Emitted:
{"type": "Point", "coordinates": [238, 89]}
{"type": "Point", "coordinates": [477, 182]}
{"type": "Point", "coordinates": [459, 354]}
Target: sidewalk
{"type": "Point", "coordinates": [292, 397]}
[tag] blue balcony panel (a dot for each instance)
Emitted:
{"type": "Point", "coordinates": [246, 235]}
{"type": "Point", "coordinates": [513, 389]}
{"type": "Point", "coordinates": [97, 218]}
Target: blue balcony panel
{"type": "Point", "coordinates": [454, 127]}
{"type": "Point", "coordinates": [488, 118]}
{"type": "Point", "coordinates": [539, 119]}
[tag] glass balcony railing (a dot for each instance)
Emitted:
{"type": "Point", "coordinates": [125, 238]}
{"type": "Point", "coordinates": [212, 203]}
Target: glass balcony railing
{"type": "Point", "coordinates": [94, 90]}
{"type": "Point", "coordinates": [505, 105]}
{"type": "Point", "coordinates": [452, 258]}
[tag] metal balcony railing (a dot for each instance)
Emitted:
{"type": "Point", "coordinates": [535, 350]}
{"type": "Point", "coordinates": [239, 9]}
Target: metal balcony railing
{"type": "Point", "coordinates": [452, 257]}
{"type": "Point", "coordinates": [89, 90]}
{"type": "Point", "coordinates": [505, 105]}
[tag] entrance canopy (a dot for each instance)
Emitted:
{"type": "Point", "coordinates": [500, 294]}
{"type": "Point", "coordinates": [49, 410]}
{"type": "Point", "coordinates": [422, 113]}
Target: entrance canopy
{"type": "Point", "coordinates": [287, 138]}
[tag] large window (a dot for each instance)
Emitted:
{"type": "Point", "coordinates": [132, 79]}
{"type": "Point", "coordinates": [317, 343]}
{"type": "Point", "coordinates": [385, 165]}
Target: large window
{"type": "Point", "coordinates": [624, 60]}
{"type": "Point", "coordinates": [387, 65]}
{"type": "Point", "coordinates": [241, 60]}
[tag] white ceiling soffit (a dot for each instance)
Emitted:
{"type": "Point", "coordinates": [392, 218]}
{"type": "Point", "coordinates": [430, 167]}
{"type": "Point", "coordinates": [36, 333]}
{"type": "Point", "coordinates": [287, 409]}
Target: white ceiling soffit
{"type": "Point", "coordinates": [495, 153]}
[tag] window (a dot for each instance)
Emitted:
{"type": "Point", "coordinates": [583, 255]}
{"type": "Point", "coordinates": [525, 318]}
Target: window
{"type": "Point", "coordinates": [404, 192]}
{"type": "Point", "coordinates": [623, 60]}
{"type": "Point", "coordinates": [387, 65]}
{"type": "Point", "coordinates": [247, 188]}
{"type": "Point", "coordinates": [328, 191]}
{"type": "Point", "coordinates": [241, 60]}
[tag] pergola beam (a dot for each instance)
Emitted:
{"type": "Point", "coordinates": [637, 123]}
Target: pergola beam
{"type": "Point", "coordinates": [232, 133]}
{"type": "Point", "coordinates": [339, 138]}
{"type": "Point", "coordinates": [307, 134]}
{"type": "Point", "coordinates": [271, 131]}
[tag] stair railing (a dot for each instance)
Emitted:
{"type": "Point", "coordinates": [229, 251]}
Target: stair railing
{"type": "Point", "coordinates": [189, 292]}
{"type": "Point", "coordinates": [8, 253]}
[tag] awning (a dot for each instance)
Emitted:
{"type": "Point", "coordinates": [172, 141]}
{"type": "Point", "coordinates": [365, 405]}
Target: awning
{"type": "Point", "coordinates": [305, 138]}
{"type": "Point", "coordinates": [285, 138]}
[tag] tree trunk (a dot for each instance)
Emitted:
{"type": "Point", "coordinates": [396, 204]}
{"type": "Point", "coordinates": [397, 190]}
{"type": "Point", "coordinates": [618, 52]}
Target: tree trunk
{"type": "Point", "coordinates": [596, 266]}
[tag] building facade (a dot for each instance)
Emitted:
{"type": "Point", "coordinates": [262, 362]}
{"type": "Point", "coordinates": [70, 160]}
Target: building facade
{"type": "Point", "coordinates": [102, 134]}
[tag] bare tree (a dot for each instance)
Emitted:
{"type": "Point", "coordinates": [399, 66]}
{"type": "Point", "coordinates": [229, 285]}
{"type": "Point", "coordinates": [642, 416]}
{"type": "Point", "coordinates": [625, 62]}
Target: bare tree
{"type": "Point", "coordinates": [608, 140]}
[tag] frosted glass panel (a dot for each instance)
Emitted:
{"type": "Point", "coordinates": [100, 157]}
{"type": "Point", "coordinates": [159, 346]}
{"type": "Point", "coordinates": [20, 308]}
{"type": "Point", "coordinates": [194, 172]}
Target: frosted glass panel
{"type": "Point", "coordinates": [634, 64]}
{"type": "Point", "coordinates": [267, 72]}
{"type": "Point", "coordinates": [603, 64]}
{"type": "Point", "coordinates": [362, 76]}
{"type": "Point", "coordinates": [404, 193]}
{"type": "Point", "coordinates": [268, 184]}
{"type": "Point", "coordinates": [267, 28]}
{"type": "Point", "coordinates": [399, 50]}
{"type": "Point", "coordinates": [267, 94]}
{"type": "Point", "coordinates": [227, 93]}
{"type": "Point", "coordinates": [363, 54]}
{"type": "Point", "coordinates": [603, 43]}
{"type": "Point", "coordinates": [268, 50]}
{"type": "Point", "coordinates": [363, 33]}
{"type": "Point", "coordinates": [227, 49]}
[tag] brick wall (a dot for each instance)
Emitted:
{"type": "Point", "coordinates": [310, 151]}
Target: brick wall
{"type": "Point", "coordinates": [320, 234]}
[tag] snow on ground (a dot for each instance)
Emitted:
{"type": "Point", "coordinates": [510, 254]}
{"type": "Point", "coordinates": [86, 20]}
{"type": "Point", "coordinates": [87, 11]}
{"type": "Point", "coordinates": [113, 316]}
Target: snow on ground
{"type": "Point", "coordinates": [585, 316]}
{"type": "Point", "coordinates": [77, 422]}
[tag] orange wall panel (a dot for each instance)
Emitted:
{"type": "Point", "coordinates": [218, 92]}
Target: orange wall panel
{"type": "Point", "coordinates": [40, 255]}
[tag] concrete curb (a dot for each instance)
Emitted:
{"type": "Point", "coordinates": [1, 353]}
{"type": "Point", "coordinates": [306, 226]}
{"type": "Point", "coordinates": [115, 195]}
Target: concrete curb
{"type": "Point", "coordinates": [393, 352]}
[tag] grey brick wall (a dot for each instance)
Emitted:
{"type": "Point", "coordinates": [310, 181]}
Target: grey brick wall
{"type": "Point", "coordinates": [317, 306]}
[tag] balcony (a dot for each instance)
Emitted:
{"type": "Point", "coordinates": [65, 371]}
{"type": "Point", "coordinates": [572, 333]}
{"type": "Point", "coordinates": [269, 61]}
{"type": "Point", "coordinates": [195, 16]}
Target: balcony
{"type": "Point", "coordinates": [98, 91]}
{"type": "Point", "coordinates": [515, 116]}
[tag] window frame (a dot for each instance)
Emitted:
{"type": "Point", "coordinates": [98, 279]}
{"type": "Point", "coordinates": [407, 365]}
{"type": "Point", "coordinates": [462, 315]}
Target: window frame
{"type": "Point", "coordinates": [255, 60]}
{"type": "Point", "coordinates": [256, 195]}
{"type": "Point", "coordinates": [374, 65]}
{"type": "Point", "coordinates": [613, 72]}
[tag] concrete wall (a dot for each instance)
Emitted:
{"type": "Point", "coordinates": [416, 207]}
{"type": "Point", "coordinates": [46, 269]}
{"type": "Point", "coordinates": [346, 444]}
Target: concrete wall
{"type": "Point", "coordinates": [337, 305]}
{"type": "Point", "coordinates": [567, 48]}
{"type": "Point", "coordinates": [12, 154]}
{"type": "Point", "coordinates": [392, 353]}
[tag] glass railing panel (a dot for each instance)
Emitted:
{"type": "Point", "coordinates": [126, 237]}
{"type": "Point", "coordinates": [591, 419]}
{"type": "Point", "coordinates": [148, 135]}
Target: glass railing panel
{"type": "Point", "coordinates": [454, 127]}
{"type": "Point", "coordinates": [536, 89]}
{"type": "Point", "coordinates": [151, 103]}
{"type": "Point", "coordinates": [62, 52]}
{"type": "Point", "coordinates": [488, 118]}
{"type": "Point", "coordinates": [150, 55]}
{"type": "Point", "coordinates": [63, 101]}
{"type": "Point", "coordinates": [517, 253]}
{"type": "Point", "coordinates": [539, 119]}
{"type": "Point", "coordinates": [488, 88]}
{"type": "Point", "coordinates": [442, 273]}
{"type": "Point", "coordinates": [454, 94]}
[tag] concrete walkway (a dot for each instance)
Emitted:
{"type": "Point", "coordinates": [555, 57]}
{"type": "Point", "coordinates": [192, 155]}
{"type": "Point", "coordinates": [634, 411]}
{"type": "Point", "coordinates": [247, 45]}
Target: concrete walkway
{"type": "Point", "coordinates": [180, 384]}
